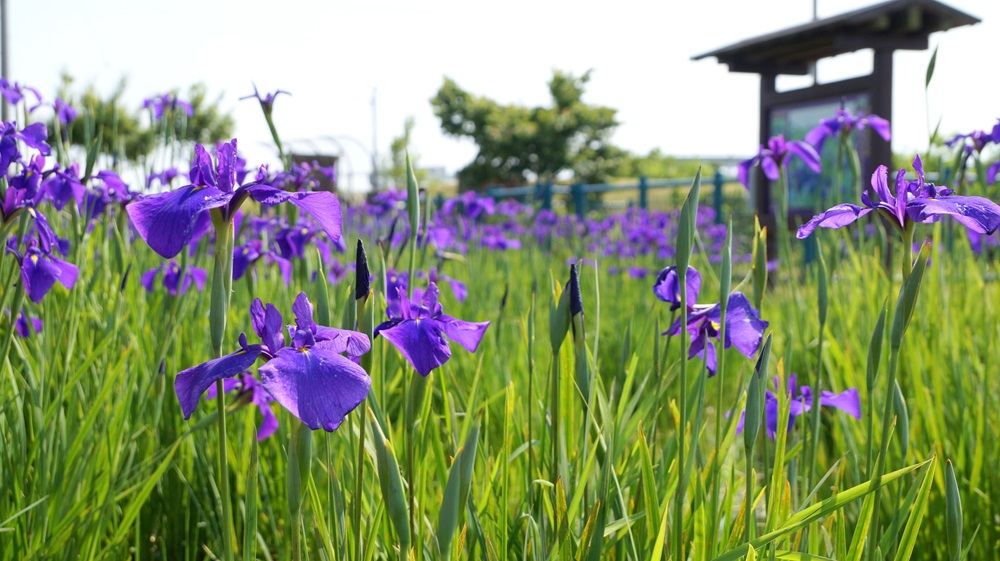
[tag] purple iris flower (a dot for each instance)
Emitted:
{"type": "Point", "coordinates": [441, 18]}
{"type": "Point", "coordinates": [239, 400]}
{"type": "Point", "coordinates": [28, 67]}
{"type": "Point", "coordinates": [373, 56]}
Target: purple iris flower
{"type": "Point", "coordinates": [458, 288]}
{"type": "Point", "coordinates": [847, 401]}
{"type": "Point", "coordinates": [33, 136]}
{"type": "Point", "coordinates": [310, 376]}
{"type": "Point", "coordinates": [246, 255]}
{"type": "Point", "coordinates": [396, 281]}
{"type": "Point", "coordinates": [974, 141]}
{"type": "Point", "coordinates": [41, 270]}
{"type": "Point", "coordinates": [172, 278]}
{"type": "Point", "coordinates": [744, 329]}
{"type": "Point", "coordinates": [417, 330]}
{"type": "Point", "coordinates": [250, 390]}
{"type": "Point", "coordinates": [63, 186]}
{"type": "Point", "coordinates": [14, 93]}
{"type": "Point", "coordinates": [638, 272]}
{"type": "Point", "coordinates": [775, 155]}
{"type": "Point", "coordinates": [167, 220]}
{"type": "Point", "coordinates": [64, 112]}
{"type": "Point", "coordinates": [25, 326]}
{"type": "Point", "coordinates": [337, 271]}
{"type": "Point", "coordinates": [266, 102]}
{"type": "Point", "coordinates": [164, 177]}
{"type": "Point", "coordinates": [667, 287]}
{"type": "Point", "coordinates": [845, 123]}
{"type": "Point", "coordinates": [914, 201]}
{"type": "Point", "coordinates": [109, 191]}
{"type": "Point", "coordinates": [473, 205]}
{"type": "Point", "coordinates": [166, 102]}
{"type": "Point", "coordinates": [292, 241]}
{"type": "Point", "coordinates": [991, 173]}
{"type": "Point", "coordinates": [980, 242]}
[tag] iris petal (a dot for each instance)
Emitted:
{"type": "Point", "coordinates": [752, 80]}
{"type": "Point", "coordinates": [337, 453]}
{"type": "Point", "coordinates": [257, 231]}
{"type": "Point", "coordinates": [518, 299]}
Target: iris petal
{"type": "Point", "coordinates": [191, 383]}
{"type": "Point", "coordinates": [466, 333]}
{"type": "Point", "coordinates": [324, 207]}
{"type": "Point", "coordinates": [319, 386]}
{"type": "Point", "coordinates": [167, 221]}
{"type": "Point", "coordinates": [421, 342]}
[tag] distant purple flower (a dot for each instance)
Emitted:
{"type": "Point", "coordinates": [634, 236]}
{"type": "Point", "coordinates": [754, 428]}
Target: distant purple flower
{"type": "Point", "coordinates": [337, 271]}
{"type": "Point", "coordinates": [980, 242]}
{"type": "Point", "coordinates": [667, 287]}
{"type": "Point", "coordinates": [249, 390]}
{"type": "Point", "coordinates": [473, 205]}
{"type": "Point", "coordinates": [63, 186]}
{"type": "Point", "coordinates": [41, 270]}
{"type": "Point", "coordinates": [164, 177]}
{"type": "Point", "coordinates": [845, 123]}
{"type": "Point", "coordinates": [396, 281]}
{"type": "Point", "coordinates": [914, 201]}
{"type": "Point", "coordinates": [267, 101]}
{"type": "Point", "coordinates": [172, 278]}
{"type": "Point", "coordinates": [25, 326]}
{"type": "Point", "coordinates": [14, 93]}
{"type": "Point", "coordinates": [974, 141]}
{"type": "Point", "coordinates": [744, 328]}
{"type": "Point", "coordinates": [310, 376]}
{"type": "Point", "coordinates": [248, 254]}
{"type": "Point", "coordinates": [33, 136]}
{"type": "Point", "coordinates": [64, 112]}
{"type": "Point", "coordinates": [160, 104]}
{"type": "Point", "coordinates": [292, 241]}
{"type": "Point", "coordinates": [638, 272]}
{"type": "Point", "coordinates": [991, 173]}
{"type": "Point", "coordinates": [417, 330]}
{"type": "Point", "coordinates": [847, 401]}
{"type": "Point", "coordinates": [167, 220]}
{"type": "Point", "coordinates": [773, 157]}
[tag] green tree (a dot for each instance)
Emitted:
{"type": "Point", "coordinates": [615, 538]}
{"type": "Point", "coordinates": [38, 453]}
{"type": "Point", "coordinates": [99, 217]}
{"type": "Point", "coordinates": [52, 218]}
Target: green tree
{"type": "Point", "coordinates": [656, 164]}
{"type": "Point", "coordinates": [519, 144]}
{"type": "Point", "coordinates": [129, 133]}
{"type": "Point", "coordinates": [395, 171]}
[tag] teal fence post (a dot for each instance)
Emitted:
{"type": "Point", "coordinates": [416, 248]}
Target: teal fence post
{"type": "Point", "coordinates": [717, 197]}
{"type": "Point", "coordinates": [579, 199]}
{"type": "Point", "coordinates": [643, 193]}
{"type": "Point", "coordinates": [543, 195]}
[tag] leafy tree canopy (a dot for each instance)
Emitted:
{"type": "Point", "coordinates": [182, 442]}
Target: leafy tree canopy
{"type": "Point", "coordinates": [132, 133]}
{"type": "Point", "coordinates": [520, 144]}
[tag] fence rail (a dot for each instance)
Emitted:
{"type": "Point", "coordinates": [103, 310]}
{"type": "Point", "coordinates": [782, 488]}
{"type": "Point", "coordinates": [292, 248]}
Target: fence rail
{"type": "Point", "coordinates": [542, 193]}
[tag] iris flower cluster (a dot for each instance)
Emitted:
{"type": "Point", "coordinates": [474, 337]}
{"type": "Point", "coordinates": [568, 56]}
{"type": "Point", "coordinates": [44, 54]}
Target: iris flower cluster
{"type": "Point", "coordinates": [169, 221]}
{"type": "Point", "coordinates": [801, 402]}
{"type": "Point", "coordinates": [744, 328]}
{"type": "Point", "coordinates": [775, 155]}
{"type": "Point", "coordinates": [912, 201]}
{"type": "Point", "coordinates": [844, 122]}
{"type": "Point", "coordinates": [417, 328]}
{"type": "Point", "coordinates": [309, 374]}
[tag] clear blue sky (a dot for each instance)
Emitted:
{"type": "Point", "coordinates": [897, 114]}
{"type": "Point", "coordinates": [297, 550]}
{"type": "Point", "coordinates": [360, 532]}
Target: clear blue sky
{"type": "Point", "coordinates": [331, 55]}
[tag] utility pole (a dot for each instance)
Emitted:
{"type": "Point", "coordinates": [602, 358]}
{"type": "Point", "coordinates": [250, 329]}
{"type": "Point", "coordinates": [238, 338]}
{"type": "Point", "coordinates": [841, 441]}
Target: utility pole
{"type": "Point", "coordinates": [812, 65]}
{"type": "Point", "coordinates": [4, 44]}
{"type": "Point", "coordinates": [374, 143]}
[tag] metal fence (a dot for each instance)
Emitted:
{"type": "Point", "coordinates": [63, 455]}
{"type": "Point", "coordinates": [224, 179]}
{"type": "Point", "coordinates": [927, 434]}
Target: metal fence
{"type": "Point", "coordinates": [579, 193]}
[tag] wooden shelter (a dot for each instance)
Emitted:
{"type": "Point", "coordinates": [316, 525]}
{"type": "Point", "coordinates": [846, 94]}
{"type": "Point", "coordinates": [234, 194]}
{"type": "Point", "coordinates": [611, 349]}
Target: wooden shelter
{"type": "Point", "coordinates": [884, 28]}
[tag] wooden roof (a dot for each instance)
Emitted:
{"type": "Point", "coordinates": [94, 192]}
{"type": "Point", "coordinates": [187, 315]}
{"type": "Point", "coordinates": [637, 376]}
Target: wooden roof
{"type": "Point", "coordinates": [897, 24]}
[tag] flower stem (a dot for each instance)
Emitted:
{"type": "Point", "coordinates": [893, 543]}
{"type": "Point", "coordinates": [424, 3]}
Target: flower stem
{"type": "Point", "coordinates": [222, 283]}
